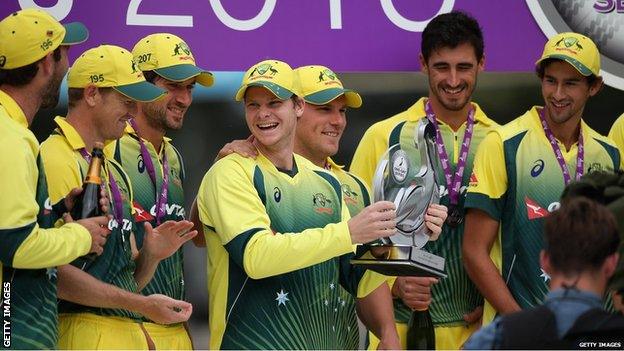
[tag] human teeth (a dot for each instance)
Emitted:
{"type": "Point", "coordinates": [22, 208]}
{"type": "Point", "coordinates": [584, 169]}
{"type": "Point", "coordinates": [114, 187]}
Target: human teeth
{"type": "Point", "coordinates": [332, 134]}
{"type": "Point", "coordinates": [453, 91]}
{"type": "Point", "coordinates": [267, 125]}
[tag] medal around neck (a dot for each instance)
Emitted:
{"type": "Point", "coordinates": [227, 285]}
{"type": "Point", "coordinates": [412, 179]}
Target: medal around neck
{"type": "Point", "coordinates": [406, 177]}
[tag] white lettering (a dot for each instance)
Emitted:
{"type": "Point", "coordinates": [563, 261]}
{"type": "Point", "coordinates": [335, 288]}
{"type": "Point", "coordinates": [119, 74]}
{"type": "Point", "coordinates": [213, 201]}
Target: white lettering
{"type": "Point", "coordinates": [335, 14]}
{"type": "Point", "coordinates": [170, 209]}
{"type": "Point", "coordinates": [134, 18]}
{"type": "Point", "coordinates": [6, 314]}
{"type": "Point", "coordinates": [444, 191]}
{"type": "Point", "coordinates": [244, 25]}
{"type": "Point", "coordinates": [412, 26]}
{"type": "Point", "coordinates": [59, 11]}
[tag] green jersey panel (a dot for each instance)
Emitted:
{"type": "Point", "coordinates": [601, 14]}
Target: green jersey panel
{"type": "Point", "coordinates": [169, 276]}
{"type": "Point", "coordinates": [455, 295]}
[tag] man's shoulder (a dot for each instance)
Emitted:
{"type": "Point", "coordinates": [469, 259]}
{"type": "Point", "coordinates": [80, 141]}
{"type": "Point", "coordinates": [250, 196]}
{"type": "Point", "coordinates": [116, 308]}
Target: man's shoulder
{"type": "Point", "coordinates": [384, 127]}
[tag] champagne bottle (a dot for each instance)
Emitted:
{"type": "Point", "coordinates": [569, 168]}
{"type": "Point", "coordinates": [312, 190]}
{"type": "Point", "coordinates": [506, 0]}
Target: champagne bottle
{"type": "Point", "coordinates": [88, 203]}
{"type": "Point", "coordinates": [420, 332]}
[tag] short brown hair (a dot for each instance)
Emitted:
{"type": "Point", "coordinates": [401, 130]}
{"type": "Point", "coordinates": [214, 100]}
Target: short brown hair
{"type": "Point", "coordinates": [580, 236]}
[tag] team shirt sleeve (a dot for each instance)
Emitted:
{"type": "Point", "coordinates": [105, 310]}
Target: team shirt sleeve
{"type": "Point", "coordinates": [24, 244]}
{"type": "Point", "coordinates": [229, 204]}
{"type": "Point", "coordinates": [488, 182]}
{"type": "Point", "coordinates": [617, 135]}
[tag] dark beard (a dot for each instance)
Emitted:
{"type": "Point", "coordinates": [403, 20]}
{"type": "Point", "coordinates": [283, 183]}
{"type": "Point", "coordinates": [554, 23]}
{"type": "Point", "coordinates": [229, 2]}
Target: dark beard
{"type": "Point", "coordinates": [51, 93]}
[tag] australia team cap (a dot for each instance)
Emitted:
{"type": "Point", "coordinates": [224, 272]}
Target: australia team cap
{"type": "Point", "coordinates": [575, 49]}
{"type": "Point", "coordinates": [320, 85]}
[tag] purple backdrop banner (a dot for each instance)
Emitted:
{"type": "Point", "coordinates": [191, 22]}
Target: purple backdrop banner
{"type": "Point", "coordinates": [231, 35]}
{"type": "Point", "coordinates": [348, 35]}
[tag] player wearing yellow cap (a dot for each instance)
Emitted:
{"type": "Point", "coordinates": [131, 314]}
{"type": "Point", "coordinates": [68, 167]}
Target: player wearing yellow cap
{"type": "Point", "coordinates": [101, 308]}
{"type": "Point", "coordinates": [33, 61]}
{"type": "Point", "coordinates": [522, 168]}
{"type": "Point", "coordinates": [278, 231]}
{"type": "Point", "coordinates": [317, 138]}
{"type": "Point", "coordinates": [155, 166]}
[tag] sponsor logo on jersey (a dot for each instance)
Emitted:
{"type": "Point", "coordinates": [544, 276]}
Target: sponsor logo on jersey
{"type": "Point", "coordinates": [535, 210]}
{"type": "Point", "coordinates": [538, 167]}
{"type": "Point", "coordinates": [322, 204]}
{"type": "Point", "coordinates": [171, 209]}
{"type": "Point", "coordinates": [473, 180]}
{"type": "Point", "coordinates": [140, 215]}
{"type": "Point", "coordinates": [350, 195]}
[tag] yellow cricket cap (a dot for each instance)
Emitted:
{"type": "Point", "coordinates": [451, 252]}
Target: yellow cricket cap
{"type": "Point", "coordinates": [320, 85]}
{"type": "Point", "coordinates": [110, 66]}
{"type": "Point", "coordinates": [276, 76]}
{"type": "Point", "coordinates": [26, 36]}
{"type": "Point", "coordinates": [170, 57]}
{"type": "Point", "coordinates": [576, 49]}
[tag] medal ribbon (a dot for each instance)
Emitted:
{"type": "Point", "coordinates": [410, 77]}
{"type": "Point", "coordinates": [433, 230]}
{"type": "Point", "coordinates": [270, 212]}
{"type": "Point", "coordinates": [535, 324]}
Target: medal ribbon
{"type": "Point", "coordinates": [580, 154]}
{"type": "Point", "coordinates": [453, 181]}
{"type": "Point", "coordinates": [114, 189]}
{"type": "Point", "coordinates": [161, 196]}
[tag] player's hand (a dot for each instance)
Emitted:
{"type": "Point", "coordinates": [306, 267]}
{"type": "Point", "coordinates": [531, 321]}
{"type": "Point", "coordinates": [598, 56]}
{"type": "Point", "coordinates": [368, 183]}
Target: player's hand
{"type": "Point", "coordinates": [244, 148]}
{"type": "Point", "coordinates": [474, 316]}
{"type": "Point", "coordinates": [434, 220]}
{"type": "Point", "coordinates": [71, 198]}
{"type": "Point", "coordinates": [373, 222]}
{"type": "Point", "coordinates": [165, 310]}
{"type": "Point", "coordinates": [97, 227]}
{"type": "Point", "coordinates": [415, 292]}
{"type": "Point", "coordinates": [166, 239]}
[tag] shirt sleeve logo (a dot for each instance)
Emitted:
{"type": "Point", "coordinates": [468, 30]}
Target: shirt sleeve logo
{"type": "Point", "coordinates": [322, 204]}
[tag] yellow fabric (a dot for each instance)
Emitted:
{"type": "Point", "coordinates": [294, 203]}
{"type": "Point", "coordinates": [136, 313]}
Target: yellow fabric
{"type": "Point", "coordinates": [229, 205]}
{"type": "Point", "coordinates": [320, 85]}
{"type": "Point", "coordinates": [489, 175]}
{"type": "Point", "coordinates": [617, 134]}
{"type": "Point", "coordinates": [169, 337]}
{"type": "Point", "coordinates": [19, 175]}
{"type": "Point", "coordinates": [274, 75]}
{"type": "Point", "coordinates": [576, 49]}
{"type": "Point", "coordinates": [28, 37]}
{"type": "Point", "coordinates": [104, 66]}
{"type": "Point", "coordinates": [375, 141]}
{"type": "Point", "coordinates": [446, 338]}
{"type": "Point", "coordinates": [86, 331]}
{"type": "Point", "coordinates": [164, 50]}
{"type": "Point", "coordinates": [60, 156]}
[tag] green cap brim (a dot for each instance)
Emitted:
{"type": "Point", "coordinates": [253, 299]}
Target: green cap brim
{"type": "Point", "coordinates": [326, 96]}
{"type": "Point", "coordinates": [141, 91]}
{"type": "Point", "coordinates": [584, 70]}
{"type": "Point", "coordinates": [180, 73]}
{"type": "Point", "coordinates": [75, 33]}
{"type": "Point", "coordinates": [277, 90]}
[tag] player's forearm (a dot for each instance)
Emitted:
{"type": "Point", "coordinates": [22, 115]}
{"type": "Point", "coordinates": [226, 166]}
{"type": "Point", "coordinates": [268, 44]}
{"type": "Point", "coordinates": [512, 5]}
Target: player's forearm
{"type": "Point", "coordinates": [80, 287]}
{"type": "Point", "coordinates": [146, 266]}
{"type": "Point", "coordinates": [45, 248]}
{"type": "Point", "coordinates": [268, 254]}
{"type": "Point", "coordinates": [377, 313]}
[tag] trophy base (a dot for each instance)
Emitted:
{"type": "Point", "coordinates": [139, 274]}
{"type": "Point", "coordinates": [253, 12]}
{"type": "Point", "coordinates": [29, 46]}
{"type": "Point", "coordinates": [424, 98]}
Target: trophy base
{"type": "Point", "coordinates": [393, 260]}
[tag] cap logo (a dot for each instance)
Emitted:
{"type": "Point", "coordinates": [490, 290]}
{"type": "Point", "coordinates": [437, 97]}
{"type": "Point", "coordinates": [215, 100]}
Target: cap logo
{"type": "Point", "coordinates": [326, 73]}
{"type": "Point", "coordinates": [262, 69]}
{"type": "Point", "coordinates": [134, 68]}
{"type": "Point", "coordinates": [50, 33]}
{"type": "Point", "coordinates": [181, 48]}
{"type": "Point", "coordinates": [569, 42]}
{"type": "Point", "coordinates": [2, 60]}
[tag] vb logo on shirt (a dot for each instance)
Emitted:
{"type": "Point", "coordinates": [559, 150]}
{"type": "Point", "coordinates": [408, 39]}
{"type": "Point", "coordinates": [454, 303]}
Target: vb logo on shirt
{"type": "Point", "coordinates": [322, 204]}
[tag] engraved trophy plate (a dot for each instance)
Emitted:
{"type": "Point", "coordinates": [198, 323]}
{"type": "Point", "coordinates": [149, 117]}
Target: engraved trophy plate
{"type": "Point", "coordinates": [412, 189]}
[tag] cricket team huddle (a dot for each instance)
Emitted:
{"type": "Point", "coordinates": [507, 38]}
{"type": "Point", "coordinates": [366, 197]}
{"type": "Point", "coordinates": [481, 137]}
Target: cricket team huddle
{"type": "Point", "coordinates": [524, 223]}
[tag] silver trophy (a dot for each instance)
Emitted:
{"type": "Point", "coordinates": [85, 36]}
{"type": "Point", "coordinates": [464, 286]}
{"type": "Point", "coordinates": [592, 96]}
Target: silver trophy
{"type": "Point", "coordinates": [412, 188]}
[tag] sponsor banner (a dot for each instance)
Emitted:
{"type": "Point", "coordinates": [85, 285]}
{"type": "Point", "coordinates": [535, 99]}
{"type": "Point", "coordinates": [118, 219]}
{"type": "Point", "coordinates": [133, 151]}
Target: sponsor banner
{"type": "Point", "coordinates": [346, 35]}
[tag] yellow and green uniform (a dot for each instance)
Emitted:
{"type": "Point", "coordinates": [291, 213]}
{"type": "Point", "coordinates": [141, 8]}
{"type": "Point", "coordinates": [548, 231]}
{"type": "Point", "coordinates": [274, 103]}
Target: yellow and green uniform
{"type": "Point", "coordinates": [356, 197]}
{"type": "Point", "coordinates": [169, 276]}
{"type": "Point", "coordinates": [617, 132]}
{"type": "Point", "coordinates": [456, 295]}
{"type": "Point", "coordinates": [517, 181]}
{"type": "Point", "coordinates": [29, 253]}
{"type": "Point", "coordinates": [278, 246]}
{"type": "Point", "coordinates": [65, 169]}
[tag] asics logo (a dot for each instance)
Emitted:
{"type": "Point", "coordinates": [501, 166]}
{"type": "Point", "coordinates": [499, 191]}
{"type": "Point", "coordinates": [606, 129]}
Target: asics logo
{"type": "Point", "coordinates": [538, 167]}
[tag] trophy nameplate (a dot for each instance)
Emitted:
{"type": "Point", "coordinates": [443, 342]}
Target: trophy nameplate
{"type": "Point", "coordinates": [412, 189]}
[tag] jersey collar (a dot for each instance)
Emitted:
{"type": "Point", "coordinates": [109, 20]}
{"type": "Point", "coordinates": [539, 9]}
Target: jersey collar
{"type": "Point", "coordinates": [418, 111]}
{"type": "Point", "coordinates": [71, 134]}
{"type": "Point", "coordinates": [537, 124]}
{"type": "Point", "coordinates": [130, 130]}
{"type": "Point", "coordinates": [13, 109]}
